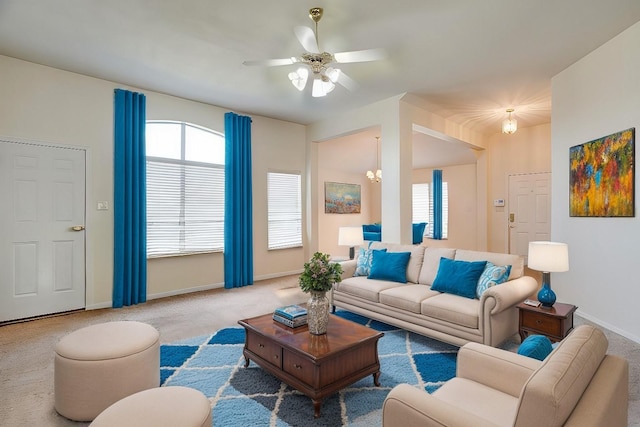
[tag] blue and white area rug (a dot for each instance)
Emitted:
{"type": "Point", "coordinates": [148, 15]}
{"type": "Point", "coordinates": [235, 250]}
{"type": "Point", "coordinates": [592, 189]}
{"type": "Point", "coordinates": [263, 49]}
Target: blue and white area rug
{"type": "Point", "coordinates": [241, 396]}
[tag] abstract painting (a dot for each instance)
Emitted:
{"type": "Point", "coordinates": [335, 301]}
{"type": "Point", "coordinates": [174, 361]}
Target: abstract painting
{"type": "Point", "coordinates": [341, 198]}
{"type": "Point", "coordinates": [602, 176]}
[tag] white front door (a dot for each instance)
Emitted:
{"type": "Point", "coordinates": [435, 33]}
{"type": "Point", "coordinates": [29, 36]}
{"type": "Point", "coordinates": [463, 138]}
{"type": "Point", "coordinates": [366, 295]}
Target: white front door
{"type": "Point", "coordinates": [42, 249]}
{"type": "Point", "coordinates": [529, 208]}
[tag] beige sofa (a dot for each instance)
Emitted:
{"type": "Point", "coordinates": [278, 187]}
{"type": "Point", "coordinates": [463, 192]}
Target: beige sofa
{"type": "Point", "coordinates": [446, 317]}
{"type": "Point", "coordinates": [578, 384]}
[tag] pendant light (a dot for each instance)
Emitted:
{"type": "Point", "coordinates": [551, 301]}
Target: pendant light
{"type": "Point", "coordinates": [377, 176]}
{"type": "Point", "coordinates": [509, 125]}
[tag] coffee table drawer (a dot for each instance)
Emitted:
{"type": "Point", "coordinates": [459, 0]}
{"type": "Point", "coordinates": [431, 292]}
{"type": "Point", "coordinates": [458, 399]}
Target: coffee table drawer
{"type": "Point", "coordinates": [266, 349]}
{"type": "Point", "coordinates": [298, 366]}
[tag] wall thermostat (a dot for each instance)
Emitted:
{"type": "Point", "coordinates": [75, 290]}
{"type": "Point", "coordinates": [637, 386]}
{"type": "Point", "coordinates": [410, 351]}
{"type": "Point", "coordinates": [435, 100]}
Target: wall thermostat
{"type": "Point", "coordinates": [498, 202]}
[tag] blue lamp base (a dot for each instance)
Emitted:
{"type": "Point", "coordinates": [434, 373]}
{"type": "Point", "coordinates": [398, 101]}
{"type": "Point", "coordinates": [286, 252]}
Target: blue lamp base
{"type": "Point", "coordinates": [546, 296]}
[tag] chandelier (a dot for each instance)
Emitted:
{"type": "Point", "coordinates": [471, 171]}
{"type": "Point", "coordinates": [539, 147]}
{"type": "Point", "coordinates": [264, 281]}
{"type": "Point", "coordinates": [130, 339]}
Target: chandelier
{"type": "Point", "coordinates": [377, 175]}
{"type": "Point", "coordinates": [509, 125]}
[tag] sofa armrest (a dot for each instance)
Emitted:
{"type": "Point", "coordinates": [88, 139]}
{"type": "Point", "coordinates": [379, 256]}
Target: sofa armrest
{"type": "Point", "coordinates": [348, 268]}
{"type": "Point", "coordinates": [496, 368]}
{"type": "Point", "coordinates": [407, 406]}
{"type": "Point", "coordinates": [506, 295]}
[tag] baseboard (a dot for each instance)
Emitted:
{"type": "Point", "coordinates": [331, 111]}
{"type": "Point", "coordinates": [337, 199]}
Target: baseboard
{"type": "Point", "coordinates": [184, 291]}
{"type": "Point", "coordinates": [277, 275]}
{"type": "Point", "coordinates": [176, 292]}
{"type": "Point", "coordinates": [608, 326]}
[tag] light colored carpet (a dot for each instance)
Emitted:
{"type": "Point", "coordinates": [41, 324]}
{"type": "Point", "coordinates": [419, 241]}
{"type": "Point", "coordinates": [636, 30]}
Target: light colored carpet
{"type": "Point", "coordinates": [26, 349]}
{"type": "Point", "coordinates": [250, 396]}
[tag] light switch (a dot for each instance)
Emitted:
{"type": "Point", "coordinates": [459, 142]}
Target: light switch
{"type": "Point", "coordinates": [103, 206]}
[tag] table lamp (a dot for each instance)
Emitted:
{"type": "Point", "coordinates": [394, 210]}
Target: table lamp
{"type": "Point", "coordinates": [548, 257]}
{"type": "Point", "coordinates": [350, 236]}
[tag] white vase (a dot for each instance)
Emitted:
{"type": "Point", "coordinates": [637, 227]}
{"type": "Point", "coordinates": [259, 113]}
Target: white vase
{"type": "Point", "coordinates": [318, 313]}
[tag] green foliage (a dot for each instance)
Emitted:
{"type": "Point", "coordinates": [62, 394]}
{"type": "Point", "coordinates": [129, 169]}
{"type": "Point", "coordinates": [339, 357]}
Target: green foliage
{"type": "Point", "coordinates": [319, 274]}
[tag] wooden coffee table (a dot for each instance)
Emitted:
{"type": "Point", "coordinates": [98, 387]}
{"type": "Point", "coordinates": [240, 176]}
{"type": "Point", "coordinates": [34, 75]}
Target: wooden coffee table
{"type": "Point", "coordinates": [316, 365]}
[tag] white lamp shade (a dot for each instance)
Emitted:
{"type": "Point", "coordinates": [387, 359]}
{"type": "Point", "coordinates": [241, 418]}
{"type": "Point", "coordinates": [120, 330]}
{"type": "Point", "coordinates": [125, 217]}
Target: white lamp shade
{"type": "Point", "coordinates": [551, 257]}
{"type": "Point", "coordinates": [299, 78]}
{"type": "Point", "coordinates": [350, 236]}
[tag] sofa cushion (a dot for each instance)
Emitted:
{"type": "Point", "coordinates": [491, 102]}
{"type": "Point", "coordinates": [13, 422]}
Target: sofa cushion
{"type": "Point", "coordinates": [515, 261]}
{"type": "Point", "coordinates": [453, 309]}
{"type": "Point", "coordinates": [554, 389]}
{"type": "Point", "coordinates": [458, 277]}
{"type": "Point", "coordinates": [491, 276]}
{"type": "Point", "coordinates": [484, 402]}
{"type": "Point", "coordinates": [536, 346]}
{"type": "Point", "coordinates": [415, 262]}
{"type": "Point", "coordinates": [364, 287]}
{"type": "Point", "coordinates": [431, 263]}
{"type": "Point", "coordinates": [408, 297]}
{"type": "Point", "coordinates": [363, 261]}
{"type": "Point", "coordinates": [389, 266]}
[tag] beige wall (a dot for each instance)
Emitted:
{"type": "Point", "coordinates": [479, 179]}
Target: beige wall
{"type": "Point", "coordinates": [48, 105]}
{"type": "Point", "coordinates": [328, 223]}
{"type": "Point", "coordinates": [526, 151]}
{"type": "Point", "coordinates": [461, 183]}
{"type": "Point", "coordinates": [595, 97]}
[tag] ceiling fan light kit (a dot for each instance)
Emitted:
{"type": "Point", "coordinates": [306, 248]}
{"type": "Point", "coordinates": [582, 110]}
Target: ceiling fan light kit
{"type": "Point", "coordinates": [319, 63]}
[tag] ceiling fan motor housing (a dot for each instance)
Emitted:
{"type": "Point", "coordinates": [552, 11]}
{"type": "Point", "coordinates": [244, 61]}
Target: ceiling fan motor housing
{"type": "Point", "coordinates": [317, 61]}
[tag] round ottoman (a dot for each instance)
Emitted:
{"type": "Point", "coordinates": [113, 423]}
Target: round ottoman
{"type": "Point", "coordinates": [100, 364]}
{"type": "Point", "coordinates": [173, 406]}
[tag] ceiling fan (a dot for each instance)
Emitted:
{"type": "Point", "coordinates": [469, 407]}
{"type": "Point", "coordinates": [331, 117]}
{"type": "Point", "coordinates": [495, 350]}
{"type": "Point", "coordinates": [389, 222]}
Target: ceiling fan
{"type": "Point", "coordinates": [323, 72]}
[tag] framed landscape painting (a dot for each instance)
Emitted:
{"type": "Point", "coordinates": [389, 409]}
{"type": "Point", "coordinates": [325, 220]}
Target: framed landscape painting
{"type": "Point", "coordinates": [602, 176]}
{"type": "Point", "coordinates": [341, 198]}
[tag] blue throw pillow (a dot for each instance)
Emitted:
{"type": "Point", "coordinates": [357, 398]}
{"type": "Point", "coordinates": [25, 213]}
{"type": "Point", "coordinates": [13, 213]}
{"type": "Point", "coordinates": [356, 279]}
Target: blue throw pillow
{"type": "Point", "coordinates": [491, 276]}
{"type": "Point", "coordinates": [418, 232]}
{"type": "Point", "coordinates": [458, 277]}
{"type": "Point", "coordinates": [535, 346]}
{"type": "Point", "coordinates": [373, 228]}
{"type": "Point", "coordinates": [363, 263]}
{"type": "Point", "coordinates": [389, 266]}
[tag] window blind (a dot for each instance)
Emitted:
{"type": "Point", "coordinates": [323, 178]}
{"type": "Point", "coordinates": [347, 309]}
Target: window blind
{"type": "Point", "coordinates": [284, 198]}
{"type": "Point", "coordinates": [185, 207]}
{"type": "Point", "coordinates": [420, 203]}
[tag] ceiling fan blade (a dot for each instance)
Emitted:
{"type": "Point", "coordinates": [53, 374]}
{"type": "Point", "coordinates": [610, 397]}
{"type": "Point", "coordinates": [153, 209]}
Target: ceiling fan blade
{"type": "Point", "coordinates": [360, 55]}
{"type": "Point", "coordinates": [347, 81]}
{"type": "Point", "coordinates": [272, 62]}
{"type": "Point", "coordinates": [307, 39]}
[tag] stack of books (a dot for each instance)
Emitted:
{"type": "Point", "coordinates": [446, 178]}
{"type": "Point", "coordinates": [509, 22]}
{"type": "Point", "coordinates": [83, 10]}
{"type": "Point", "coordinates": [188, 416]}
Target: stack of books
{"type": "Point", "coordinates": [291, 316]}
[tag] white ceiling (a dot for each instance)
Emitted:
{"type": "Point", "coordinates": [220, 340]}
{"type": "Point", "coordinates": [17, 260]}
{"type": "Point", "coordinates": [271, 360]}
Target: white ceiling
{"type": "Point", "coordinates": [468, 59]}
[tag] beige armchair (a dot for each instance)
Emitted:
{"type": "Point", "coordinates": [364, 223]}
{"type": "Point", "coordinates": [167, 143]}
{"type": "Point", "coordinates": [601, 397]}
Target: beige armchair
{"type": "Point", "coordinates": [578, 384]}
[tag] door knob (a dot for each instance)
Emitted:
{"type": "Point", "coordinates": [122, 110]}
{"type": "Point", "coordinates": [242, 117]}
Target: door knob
{"type": "Point", "coordinates": [77, 227]}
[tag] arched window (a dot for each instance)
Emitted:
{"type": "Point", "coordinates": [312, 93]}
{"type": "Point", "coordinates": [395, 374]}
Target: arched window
{"type": "Point", "coordinates": [185, 189]}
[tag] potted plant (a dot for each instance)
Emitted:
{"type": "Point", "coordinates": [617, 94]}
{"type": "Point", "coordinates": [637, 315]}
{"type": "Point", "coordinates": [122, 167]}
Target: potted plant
{"type": "Point", "coordinates": [318, 276]}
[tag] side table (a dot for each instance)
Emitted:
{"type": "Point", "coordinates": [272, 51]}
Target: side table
{"type": "Point", "coordinates": [555, 322]}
